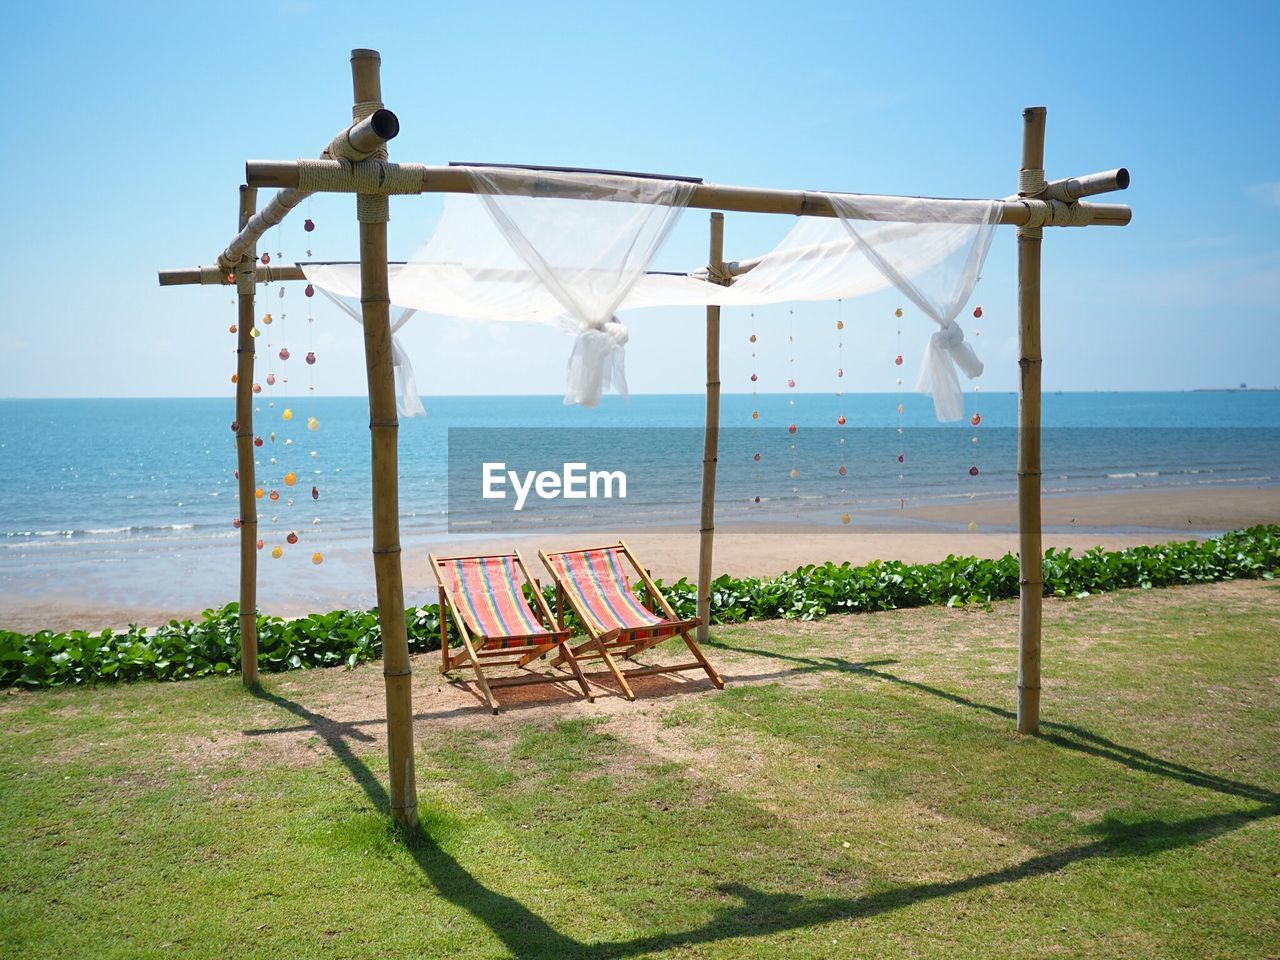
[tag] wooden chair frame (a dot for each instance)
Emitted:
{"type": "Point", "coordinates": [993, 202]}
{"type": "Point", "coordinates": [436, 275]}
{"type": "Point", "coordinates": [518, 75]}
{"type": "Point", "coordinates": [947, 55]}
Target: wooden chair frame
{"type": "Point", "coordinates": [526, 649]}
{"type": "Point", "coordinates": [623, 643]}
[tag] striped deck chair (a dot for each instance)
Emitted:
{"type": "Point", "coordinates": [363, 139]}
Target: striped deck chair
{"type": "Point", "coordinates": [598, 587]}
{"type": "Point", "coordinates": [483, 598]}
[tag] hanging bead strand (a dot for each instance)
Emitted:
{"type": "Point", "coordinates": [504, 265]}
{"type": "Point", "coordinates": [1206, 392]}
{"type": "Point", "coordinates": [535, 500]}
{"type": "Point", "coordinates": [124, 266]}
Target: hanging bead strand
{"type": "Point", "coordinates": [791, 404]}
{"type": "Point", "coordinates": [842, 471]}
{"type": "Point", "coordinates": [902, 435]}
{"type": "Point", "coordinates": [755, 409]}
{"type": "Point", "coordinates": [975, 421]}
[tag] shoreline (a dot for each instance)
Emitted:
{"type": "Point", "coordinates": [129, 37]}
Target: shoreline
{"type": "Point", "coordinates": [193, 579]}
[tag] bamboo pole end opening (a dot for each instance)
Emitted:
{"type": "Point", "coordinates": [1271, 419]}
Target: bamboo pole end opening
{"type": "Point", "coordinates": [385, 123]}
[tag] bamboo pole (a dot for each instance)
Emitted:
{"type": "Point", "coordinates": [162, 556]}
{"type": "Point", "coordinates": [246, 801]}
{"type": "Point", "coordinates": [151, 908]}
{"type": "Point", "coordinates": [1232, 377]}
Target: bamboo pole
{"type": "Point", "coordinates": [245, 347]}
{"type": "Point", "coordinates": [705, 196]}
{"type": "Point", "coordinates": [1030, 554]}
{"type": "Point", "coordinates": [383, 426]}
{"type": "Point", "coordinates": [1073, 188]}
{"type": "Point", "coordinates": [711, 437]}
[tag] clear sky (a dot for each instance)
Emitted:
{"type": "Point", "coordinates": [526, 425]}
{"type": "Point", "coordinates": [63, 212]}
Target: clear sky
{"type": "Point", "coordinates": [128, 125]}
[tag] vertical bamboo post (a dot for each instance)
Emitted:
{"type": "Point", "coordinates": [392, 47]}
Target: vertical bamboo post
{"type": "Point", "coordinates": [372, 212]}
{"type": "Point", "coordinates": [246, 279]}
{"type": "Point", "coordinates": [710, 438]}
{"type": "Point", "coordinates": [1030, 553]}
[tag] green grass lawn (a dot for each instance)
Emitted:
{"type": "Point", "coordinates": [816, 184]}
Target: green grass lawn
{"type": "Point", "coordinates": [857, 790]}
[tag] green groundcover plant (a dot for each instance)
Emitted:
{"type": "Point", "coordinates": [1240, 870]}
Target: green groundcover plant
{"type": "Point", "coordinates": [211, 645]}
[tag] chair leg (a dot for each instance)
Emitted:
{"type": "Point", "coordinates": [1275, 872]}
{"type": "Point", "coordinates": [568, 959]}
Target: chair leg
{"type": "Point", "coordinates": [444, 632]}
{"type": "Point", "coordinates": [559, 658]}
{"type": "Point", "coordinates": [613, 668]}
{"type": "Point", "coordinates": [534, 654]}
{"type": "Point", "coordinates": [567, 655]}
{"type": "Point", "coordinates": [480, 679]}
{"type": "Point", "coordinates": [706, 664]}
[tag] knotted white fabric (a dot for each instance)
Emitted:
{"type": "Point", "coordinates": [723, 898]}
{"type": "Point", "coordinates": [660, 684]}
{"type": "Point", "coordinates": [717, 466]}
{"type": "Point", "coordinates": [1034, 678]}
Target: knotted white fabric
{"type": "Point", "coordinates": [588, 243]}
{"type": "Point", "coordinates": [598, 362]}
{"type": "Point", "coordinates": [947, 349]}
{"type": "Point", "coordinates": [953, 239]}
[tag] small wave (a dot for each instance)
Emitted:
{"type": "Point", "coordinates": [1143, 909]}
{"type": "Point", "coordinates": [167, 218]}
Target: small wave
{"type": "Point", "coordinates": [1121, 476]}
{"type": "Point", "coordinates": [108, 532]}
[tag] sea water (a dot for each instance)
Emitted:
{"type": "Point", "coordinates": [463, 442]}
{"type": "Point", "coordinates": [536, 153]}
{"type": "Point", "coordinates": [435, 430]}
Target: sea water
{"type": "Point", "coordinates": [142, 493]}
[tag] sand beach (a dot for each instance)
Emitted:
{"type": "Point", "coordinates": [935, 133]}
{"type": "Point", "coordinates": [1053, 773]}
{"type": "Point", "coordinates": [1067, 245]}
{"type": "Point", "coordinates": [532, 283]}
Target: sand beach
{"type": "Point", "coordinates": [916, 535]}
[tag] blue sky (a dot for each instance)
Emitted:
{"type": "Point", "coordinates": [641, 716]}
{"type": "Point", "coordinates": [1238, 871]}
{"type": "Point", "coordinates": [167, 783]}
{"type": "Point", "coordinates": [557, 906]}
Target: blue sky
{"type": "Point", "coordinates": [129, 124]}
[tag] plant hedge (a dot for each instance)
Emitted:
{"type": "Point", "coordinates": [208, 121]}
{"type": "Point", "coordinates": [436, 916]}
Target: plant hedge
{"type": "Point", "coordinates": [211, 645]}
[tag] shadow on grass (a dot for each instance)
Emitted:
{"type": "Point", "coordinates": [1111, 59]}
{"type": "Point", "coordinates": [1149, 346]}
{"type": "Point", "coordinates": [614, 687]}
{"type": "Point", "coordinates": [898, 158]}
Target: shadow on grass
{"type": "Point", "coordinates": [516, 925]}
{"type": "Point", "coordinates": [759, 913]}
{"type": "Point", "coordinates": [1066, 735]}
{"type": "Point", "coordinates": [514, 699]}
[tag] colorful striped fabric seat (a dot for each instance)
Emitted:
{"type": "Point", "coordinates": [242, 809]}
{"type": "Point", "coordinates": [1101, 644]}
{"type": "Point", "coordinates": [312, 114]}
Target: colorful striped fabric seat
{"type": "Point", "coordinates": [488, 595]}
{"type": "Point", "coordinates": [597, 584]}
{"type": "Point", "coordinates": [483, 599]}
{"type": "Point", "coordinates": [599, 589]}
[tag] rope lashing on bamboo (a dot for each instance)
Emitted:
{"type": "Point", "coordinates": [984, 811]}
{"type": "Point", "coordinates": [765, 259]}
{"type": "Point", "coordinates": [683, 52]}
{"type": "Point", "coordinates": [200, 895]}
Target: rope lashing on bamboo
{"type": "Point", "coordinates": [245, 277]}
{"type": "Point", "coordinates": [375, 179]}
{"type": "Point", "coordinates": [720, 274]}
{"type": "Point", "coordinates": [1031, 183]}
{"type": "Point", "coordinates": [1054, 213]}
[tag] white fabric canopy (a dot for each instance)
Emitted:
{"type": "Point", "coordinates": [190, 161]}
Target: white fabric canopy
{"type": "Point", "coordinates": [506, 253]}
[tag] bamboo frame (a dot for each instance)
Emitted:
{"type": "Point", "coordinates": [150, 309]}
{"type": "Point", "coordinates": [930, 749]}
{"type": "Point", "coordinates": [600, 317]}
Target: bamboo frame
{"type": "Point", "coordinates": [1030, 546]}
{"type": "Point", "coordinates": [538, 645]}
{"type": "Point", "coordinates": [623, 640]}
{"type": "Point", "coordinates": [245, 356]}
{"type": "Point", "coordinates": [1037, 204]}
{"type": "Point", "coordinates": [711, 437]}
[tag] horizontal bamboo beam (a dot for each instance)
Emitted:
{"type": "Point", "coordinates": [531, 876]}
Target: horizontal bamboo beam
{"type": "Point", "coordinates": [216, 276]}
{"type": "Point", "coordinates": [708, 196]}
